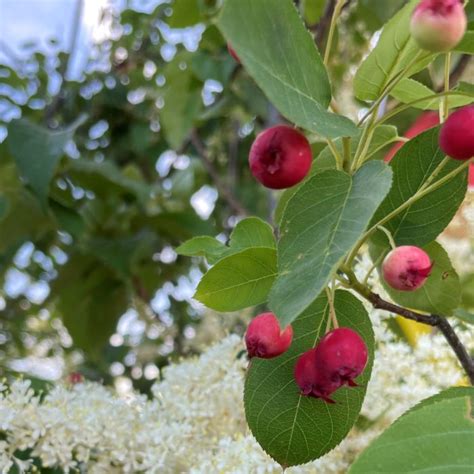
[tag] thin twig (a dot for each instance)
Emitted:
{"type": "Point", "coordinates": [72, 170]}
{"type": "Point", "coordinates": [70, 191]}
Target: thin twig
{"type": "Point", "coordinates": [222, 187]}
{"type": "Point", "coordinates": [434, 320]}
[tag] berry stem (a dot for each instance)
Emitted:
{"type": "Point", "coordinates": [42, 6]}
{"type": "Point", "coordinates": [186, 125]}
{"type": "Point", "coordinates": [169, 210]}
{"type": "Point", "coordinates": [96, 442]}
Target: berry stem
{"type": "Point", "coordinates": [346, 142]}
{"type": "Point", "coordinates": [332, 310]}
{"type": "Point", "coordinates": [332, 27]}
{"type": "Point", "coordinates": [447, 69]}
{"type": "Point", "coordinates": [389, 236]}
{"type": "Point", "coordinates": [337, 155]}
{"type": "Point", "coordinates": [434, 320]}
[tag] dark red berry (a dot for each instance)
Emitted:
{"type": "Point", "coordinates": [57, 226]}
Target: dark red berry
{"type": "Point", "coordinates": [312, 381]}
{"type": "Point", "coordinates": [456, 138]}
{"type": "Point", "coordinates": [341, 355]}
{"type": "Point", "coordinates": [280, 157]}
{"type": "Point", "coordinates": [265, 339]}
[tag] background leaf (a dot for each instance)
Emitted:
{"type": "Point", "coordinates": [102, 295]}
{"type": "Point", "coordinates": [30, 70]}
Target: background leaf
{"type": "Point", "coordinates": [238, 281]}
{"type": "Point", "coordinates": [291, 428]}
{"type": "Point", "coordinates": [435, 436]}
{"type": "Point", "coordinates": [90, 311]}
{"type": "Point", "coordinates": [279, 53]}
{"type": "Point", "coordinates": [36, 151]}
{"type": "Point", "coordinates": [420, 223]}
{"type": "Point", "coordinates": [321, 222]}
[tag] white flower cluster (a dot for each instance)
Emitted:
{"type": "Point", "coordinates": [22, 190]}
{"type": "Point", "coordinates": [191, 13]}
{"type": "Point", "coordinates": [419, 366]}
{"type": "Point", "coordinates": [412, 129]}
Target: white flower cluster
{"type": "Point", "coordinates": [195, 420]}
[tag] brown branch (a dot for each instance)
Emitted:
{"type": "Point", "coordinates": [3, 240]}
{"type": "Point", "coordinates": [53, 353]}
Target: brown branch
{"type": "Point", "coordinates": [222, 187]}
{"type": "Point", "coordinates": [434, 320]}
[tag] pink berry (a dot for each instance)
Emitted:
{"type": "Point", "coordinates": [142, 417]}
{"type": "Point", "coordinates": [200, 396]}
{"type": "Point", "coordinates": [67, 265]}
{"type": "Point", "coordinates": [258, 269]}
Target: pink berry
{"type": "Point", "coordinates": [265, 339]}
{"type": "Point", "coordinates": [280, 157]}
{"type": "Point", "coordinates": [233, 53]}
{"type": "Point", "coordinates": [312, 381]}
{"type": "Point", "coordinates": [342, 355]}
{"type": "Point", "coordinates": [456, 138]}
{"type": "Point", "coordinates": [438, 25]}
{"type": "Point", "coordinates": [406, 268]}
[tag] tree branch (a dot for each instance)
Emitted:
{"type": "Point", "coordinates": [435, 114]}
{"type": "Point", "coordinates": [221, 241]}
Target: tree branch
{"type": "Point", "coordinates": [222, 188]}
{"type": "Point", "coordinates": [434, 320]}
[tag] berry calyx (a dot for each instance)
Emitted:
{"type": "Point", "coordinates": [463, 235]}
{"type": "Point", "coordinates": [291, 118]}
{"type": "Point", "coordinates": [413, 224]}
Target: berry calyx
{"type": "Point", "coordinates": [280, 157]}
{"type": "Point", "coordinates": [312, 381]}
{"type": "Point", "coordinates": [264, 337]}
{"type": "Point", "coordinates": [456, 138]}
{"type": "Point", "coordinates": [342, 355]}
{"type": "Point", "coordinates": [233, 53]}
{"type": "Point", "coordinates": [406, 268]}
{"type": "Point", "coordinates": [438, 25]}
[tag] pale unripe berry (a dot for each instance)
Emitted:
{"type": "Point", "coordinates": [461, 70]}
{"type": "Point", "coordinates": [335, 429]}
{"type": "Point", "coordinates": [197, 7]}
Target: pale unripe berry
{"type": "Point", "coordinates": [312, 381]}
{"type": "Point", "coordinates": [456, 138]}
{"type": "Point", "coordinates": [264, 337]}
{"type": "Point", "coordinates": [342, 354]}
{"type": "Point", "coordinates": [438, 25]}
{"type": "Point", "coordinates": [406, 268]}
{"type": "Point", "coordinates": [280, 157]}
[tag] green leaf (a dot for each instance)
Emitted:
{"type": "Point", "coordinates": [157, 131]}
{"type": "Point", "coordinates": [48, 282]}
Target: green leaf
{"type": "Point", "coordinates": [442, 291]}
{"type": "Point", "coordinates": [291, 428]}
{"type": "Point", "coordinates": [420, 223]}
{"type": "Point", "coordinates": [252, 232]}
{"type": "Point", "coordinates": [279, 53]}
{"type": "Point", "coordinates": [4, 206]}
{"type": "Point", "coordinates": [182, 101]}
{"type": "Point", "coordinates": [466, 45]}
{"type": "Point", "coordinates": [409, 90]}
{"type": "Point", "coordinates": [436, 436]}
{"type": "Point", "coordinates": [37, 151]}
{"type": "Point", "coordinates": [312, 10]}
{"type": "Point", "coordinates": [91, 300]}
{"type": "Point", "coordinates": [185, 13]}
{"type": "Point", "coordinates": [464, 315]}
{"type": "Point", "coordinates": [105, 178]}
{"type": "Point", "coordinates": [321, 223]}
{"type": "Point", "coordinates": [393, 52]}
{"type": "Point", "coordinates": [203, 246]}
{"type": "Point", "coordinates": [238, 281]}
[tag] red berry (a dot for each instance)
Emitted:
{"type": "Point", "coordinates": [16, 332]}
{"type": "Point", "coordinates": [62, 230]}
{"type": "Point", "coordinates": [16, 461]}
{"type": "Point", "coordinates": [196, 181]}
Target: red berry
{"type": "Point", "coordinates": [265, 339]}
{"type": "Point", "coordinates": [75, 378]}
{"type": "Point", "coordinates": [406, 268]}
{"type": "Point", "coordinates": [233, 53]}
{"type": "Point", "coordinates": [312, 381]}
{"type": "Point", "coordinates": [342, 355]}
{"type": "Point", "coordinates": [280, 157]}
{"type": "Point", "coordinates": [456, 138]}
{"type": "Point", "coordinates": [438, 25]}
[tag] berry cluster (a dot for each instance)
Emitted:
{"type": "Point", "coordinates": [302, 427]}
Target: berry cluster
{"type": "Point", "coordinates": [281, 157]}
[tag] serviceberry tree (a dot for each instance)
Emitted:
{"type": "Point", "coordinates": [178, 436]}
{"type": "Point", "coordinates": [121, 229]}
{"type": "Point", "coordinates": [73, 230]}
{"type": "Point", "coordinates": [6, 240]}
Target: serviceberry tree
{"type": "Point", "coordinates": [338, 204]}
